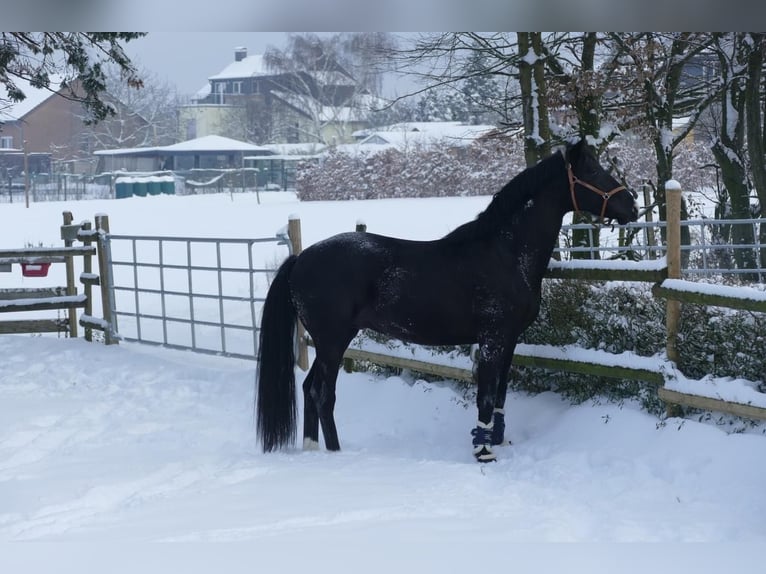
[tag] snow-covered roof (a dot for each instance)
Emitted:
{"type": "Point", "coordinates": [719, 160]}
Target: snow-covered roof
{"type": "Point", "coordinates": [210, 143]}
{"type": "Point", "coordinates": [34, 97]}
{"type": "Point", "coordinates": [256, 66]}
{"type": "Point", "coordinates": [307, 148]}
{"type": "Point", "coordinates": [245, 68]}
{"type": "Point", "coordinates": [408, 134]}
{"type": "Point", "coordinates": [213, 143]}
{"type": "Point", "coordinates": [203, 92]}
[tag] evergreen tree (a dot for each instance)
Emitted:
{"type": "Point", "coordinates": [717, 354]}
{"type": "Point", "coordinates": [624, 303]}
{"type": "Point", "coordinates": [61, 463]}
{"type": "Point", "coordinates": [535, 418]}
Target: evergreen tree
{"type": "Point", "coordinates": [41, 58]}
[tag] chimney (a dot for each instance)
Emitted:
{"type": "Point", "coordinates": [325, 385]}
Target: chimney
{"type": "Point", "coordinates": [240, 54]}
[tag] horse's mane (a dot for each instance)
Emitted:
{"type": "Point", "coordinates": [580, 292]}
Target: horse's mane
{"type": "Point", "coordinates": [512, 197]}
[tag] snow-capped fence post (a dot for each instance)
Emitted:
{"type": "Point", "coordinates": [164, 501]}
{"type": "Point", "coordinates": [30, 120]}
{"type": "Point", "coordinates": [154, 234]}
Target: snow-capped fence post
{"type": "Point", "coordinates": [673, 306]}
{"type": "Point", "coordinates": [294, 233]}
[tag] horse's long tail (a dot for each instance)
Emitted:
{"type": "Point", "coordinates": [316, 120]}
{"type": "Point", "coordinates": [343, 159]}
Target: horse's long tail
{"type": "Point", "coordinates": [275, 383]}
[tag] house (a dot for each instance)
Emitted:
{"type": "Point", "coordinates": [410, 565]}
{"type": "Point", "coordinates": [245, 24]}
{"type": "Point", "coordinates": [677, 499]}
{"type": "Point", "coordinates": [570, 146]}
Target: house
{"type": "Point", "coordinates": [248, 100]}
{"type": "Point", "coordinates": [207, 152]}
{"type": "Point", "coordinates": [48, 121]}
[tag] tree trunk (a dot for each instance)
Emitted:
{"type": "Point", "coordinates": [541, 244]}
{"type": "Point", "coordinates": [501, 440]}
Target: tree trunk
{"type": "Point", "coordinates": [754, 120]}
{"type": "Point", "coordinates": [534, 97]}
{"type": "Point", "coordinates": [729, 151]}
{"type": "Point", "coordinates": [587, 106]}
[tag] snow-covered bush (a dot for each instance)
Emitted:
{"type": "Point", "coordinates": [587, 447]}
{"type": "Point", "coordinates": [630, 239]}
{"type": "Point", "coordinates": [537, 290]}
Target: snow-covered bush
{"type": "Point", "coordinates": [481, 168]}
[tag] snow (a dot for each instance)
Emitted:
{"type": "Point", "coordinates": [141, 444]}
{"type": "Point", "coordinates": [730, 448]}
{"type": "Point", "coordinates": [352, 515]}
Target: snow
{"type": "Point", "coordinates": [204, 143]}
{"type": "Point", "coordinates": [245, 68]}
{"type": "Point", "coordinates": [672, 184]}
{"type": "Point", "coordinates": [610, 264]}
{"type": "Point", "coordinates": [744, 293]}
{"type": "Point", "coordinates": [413, 134]}
{"type": "Point", "coordinates": [103, 446]}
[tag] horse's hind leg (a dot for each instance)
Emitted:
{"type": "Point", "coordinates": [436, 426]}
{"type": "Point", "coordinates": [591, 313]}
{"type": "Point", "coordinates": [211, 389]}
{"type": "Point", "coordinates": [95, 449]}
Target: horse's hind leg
{"type": "Point", "coordinates": [310, 414]}
{"type": "Point", "coordinates": [326, 366]}
{"type": "Point", "coordinates": [324, 399]}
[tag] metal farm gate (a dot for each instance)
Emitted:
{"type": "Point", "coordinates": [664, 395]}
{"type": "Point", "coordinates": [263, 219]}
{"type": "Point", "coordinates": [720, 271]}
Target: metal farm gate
{"type": "Point", "coordinates": [200, 294]}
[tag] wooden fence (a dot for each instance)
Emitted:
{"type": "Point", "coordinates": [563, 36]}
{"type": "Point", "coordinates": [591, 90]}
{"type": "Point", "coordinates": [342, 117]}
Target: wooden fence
{"type": "Point", "coordinates": [665, 274]}
{"type": "Point", "coordinates": [68, 297]}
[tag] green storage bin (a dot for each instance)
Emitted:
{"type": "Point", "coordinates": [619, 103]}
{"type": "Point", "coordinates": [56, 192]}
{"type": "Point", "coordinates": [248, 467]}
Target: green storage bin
{"type": "Point", "coordinates": [123, 189]}
{"type": "Point", "coordinates": [154, 186]}
{"type": "Point", "coordinates": [168, 186]}
{"type": "Point", "coordinates": [140, 188]}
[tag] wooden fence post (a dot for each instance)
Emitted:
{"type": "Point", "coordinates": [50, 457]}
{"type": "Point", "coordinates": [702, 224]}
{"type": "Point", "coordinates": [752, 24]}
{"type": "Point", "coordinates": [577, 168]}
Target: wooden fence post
{"type": "Point", "coordinates": [294, 233]}
{"type": "Point", "coordinates": [673, 313]}
{"type": "Point", "coordinates": [71, 286]}
{"type": "Point", "coordinates": [105, 273]}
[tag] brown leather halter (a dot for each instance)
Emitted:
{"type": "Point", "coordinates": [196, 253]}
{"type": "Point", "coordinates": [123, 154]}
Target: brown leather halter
{"type": "Point", "coordinates": [573, 179]}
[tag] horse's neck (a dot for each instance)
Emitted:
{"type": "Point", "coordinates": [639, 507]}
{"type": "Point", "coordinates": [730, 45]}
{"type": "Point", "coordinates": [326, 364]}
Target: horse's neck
{"type": "Point", "coordinates": [533, 231]}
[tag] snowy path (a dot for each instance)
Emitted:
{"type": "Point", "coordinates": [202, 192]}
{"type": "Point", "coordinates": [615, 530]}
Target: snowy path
{"type": "Point", "coordinates": [130, 443]}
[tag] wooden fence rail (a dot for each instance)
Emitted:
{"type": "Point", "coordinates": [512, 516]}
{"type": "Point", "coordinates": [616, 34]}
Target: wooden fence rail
{"type": "Point", "coordinates": [64, 298]}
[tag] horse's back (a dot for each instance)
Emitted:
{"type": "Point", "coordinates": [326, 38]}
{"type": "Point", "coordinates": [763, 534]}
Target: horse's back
{"type": "Point", "coordinates": [411, 290]}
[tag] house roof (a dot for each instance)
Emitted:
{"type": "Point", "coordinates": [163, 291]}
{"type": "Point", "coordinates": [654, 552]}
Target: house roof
{"type": "Point", "coordinates": [211, 143]}
{"type": "Point", "coordinates": [245, 68]}
{"type": "Point", "coordinates": [256, 66]}
{"type": "Point", "coordinates": [12, 111]}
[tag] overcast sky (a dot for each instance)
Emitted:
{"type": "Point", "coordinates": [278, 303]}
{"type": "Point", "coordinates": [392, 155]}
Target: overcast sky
{"type": "Point", "coordinates": [186, 59]}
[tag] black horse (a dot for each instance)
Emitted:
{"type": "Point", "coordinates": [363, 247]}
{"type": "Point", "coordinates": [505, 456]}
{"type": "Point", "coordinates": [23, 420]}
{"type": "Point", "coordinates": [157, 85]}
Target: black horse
{"type": "Point", "coordinates": [480, 284]}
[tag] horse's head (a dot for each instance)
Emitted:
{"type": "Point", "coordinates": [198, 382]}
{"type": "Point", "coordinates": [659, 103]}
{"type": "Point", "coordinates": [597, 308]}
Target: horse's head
{"type": "Point", "coordinates": [594, 190]}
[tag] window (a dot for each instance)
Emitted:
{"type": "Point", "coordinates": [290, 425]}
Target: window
{"type": "Point", "coordinates": [6, 142]}
{"type": "Point", "coordinates": [191, 129]}
{"type": "Point", "coordinates": [236, 88]}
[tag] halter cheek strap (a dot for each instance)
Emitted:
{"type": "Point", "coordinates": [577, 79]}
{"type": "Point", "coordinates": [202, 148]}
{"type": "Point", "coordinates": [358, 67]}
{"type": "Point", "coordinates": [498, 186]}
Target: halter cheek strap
{"type": "Point", "coordinates": [606, 195]}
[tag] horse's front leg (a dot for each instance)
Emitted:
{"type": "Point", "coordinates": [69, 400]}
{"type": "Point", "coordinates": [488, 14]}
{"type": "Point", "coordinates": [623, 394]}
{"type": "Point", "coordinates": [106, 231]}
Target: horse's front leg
{"type": "Point", "coordinates": [491, 368]}
{"type": "Point", "coordinates": [498, 413]}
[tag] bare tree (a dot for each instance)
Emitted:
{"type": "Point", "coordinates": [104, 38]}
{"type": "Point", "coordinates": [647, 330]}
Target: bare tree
{"type": "Point", "coordinates": [456, 61]}
{"type": "Point", "coordinates": [315, 96]}
{"type": "Point", "coordinates": [660, 90]}
{"type": "Point", "coordinates": [142, 117]}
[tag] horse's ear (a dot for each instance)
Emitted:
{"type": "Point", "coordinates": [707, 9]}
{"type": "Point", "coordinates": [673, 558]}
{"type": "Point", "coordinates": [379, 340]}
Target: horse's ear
{"type": "Point", "coordinates": [573, 151]}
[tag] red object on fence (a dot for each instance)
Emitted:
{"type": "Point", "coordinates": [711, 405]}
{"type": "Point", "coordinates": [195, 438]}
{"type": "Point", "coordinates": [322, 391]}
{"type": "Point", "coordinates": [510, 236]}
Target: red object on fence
{"type": "Point", "coordinates": [35, 269]}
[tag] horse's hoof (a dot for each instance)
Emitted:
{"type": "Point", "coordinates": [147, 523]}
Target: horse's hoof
{"type": "Point", "coordinates": [310, 444]}
{"type": "Point", "coordinates": [484, 455]}
{"type": "Point", "coordinates": [482, 447]}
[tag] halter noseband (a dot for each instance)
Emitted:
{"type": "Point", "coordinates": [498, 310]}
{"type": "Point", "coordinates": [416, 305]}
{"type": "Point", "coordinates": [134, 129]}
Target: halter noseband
{"type": "Point", "coordinates": [573, 179]}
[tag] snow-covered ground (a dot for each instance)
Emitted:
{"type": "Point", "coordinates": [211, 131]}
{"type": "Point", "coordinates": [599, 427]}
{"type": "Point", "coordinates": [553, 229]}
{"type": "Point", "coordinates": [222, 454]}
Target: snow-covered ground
{"type": "Point", "coordinates": [126, 444]}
